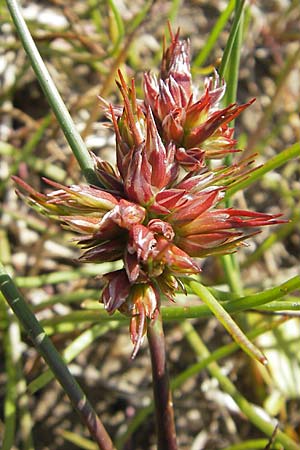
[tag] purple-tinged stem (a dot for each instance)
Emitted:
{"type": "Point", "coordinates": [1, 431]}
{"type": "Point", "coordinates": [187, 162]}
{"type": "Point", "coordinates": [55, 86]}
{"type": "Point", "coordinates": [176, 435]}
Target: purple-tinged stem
{"type": "Point", "coordinates": [166, 433]}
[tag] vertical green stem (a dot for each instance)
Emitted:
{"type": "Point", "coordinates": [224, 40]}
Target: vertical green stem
{"type": "Point", "coordinates": [9, 407]}
{"type": "Point", "coordinates": [45, 347]}
{"type": "Point", "coordinates": [166, 433]}
{"type": "Point", "coordinates": [230, 69]}
{"type": "Point", "coordinates": [239, 6]}
{"type": "Point", "coordinates": [233, 65]}
{"type": "Point", "coordinates": [25, 421]}
{"type": "Point", "coordinates": [232, 274]}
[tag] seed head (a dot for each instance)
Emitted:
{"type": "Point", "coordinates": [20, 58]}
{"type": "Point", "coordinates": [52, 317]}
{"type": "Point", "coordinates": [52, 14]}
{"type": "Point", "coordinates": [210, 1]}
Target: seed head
{"type": "Point", "coordinates": [160, 209]}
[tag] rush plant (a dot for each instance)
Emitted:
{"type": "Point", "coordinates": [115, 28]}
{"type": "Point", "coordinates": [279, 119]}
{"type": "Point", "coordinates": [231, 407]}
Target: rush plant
{"type": "Point", "coordinates": [159, 211]}
{"type": "Point", "coordinates": [160, 208]}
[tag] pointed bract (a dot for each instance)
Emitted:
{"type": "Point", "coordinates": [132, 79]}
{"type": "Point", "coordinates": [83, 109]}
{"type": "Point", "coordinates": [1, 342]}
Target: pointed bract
{"type": "Point", "coordinates": [160, 207]}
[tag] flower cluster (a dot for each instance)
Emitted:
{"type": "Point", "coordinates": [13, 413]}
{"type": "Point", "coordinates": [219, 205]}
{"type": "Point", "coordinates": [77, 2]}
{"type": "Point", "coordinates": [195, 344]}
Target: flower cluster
{"type": "Point", "coordinates": [158, 209]}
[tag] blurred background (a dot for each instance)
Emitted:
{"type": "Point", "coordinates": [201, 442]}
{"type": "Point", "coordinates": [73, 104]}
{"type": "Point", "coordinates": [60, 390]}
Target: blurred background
{"type": "Point", "coordinates": [83, 45]}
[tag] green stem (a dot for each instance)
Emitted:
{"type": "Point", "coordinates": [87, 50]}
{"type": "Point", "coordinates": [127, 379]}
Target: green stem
{"type": "Point", "coordinates": [254, 444]}
{"type": "Point", "coordinates": [9, 409]}
{"type": "Point", "coordinates": [278, 160]}
{"type": "Point", "coordinates": [232, 36]}
{"type": "Point", "coordinates": [189, 312]}
{"type": "Point", "coordinates": [166, 433]}
{"type": "Point", "coordinates": [116, 40]}
{"type": "Point", "coordinates": [25, 419]}
{"type": "Point", "coordinates": [232, 64]}
{"type": "Point", "coordinates": [45, 347]}
{"type": "Point", "coordinates": [265, 424]}
{"type": "Point", "coordinates": [91, 270]}
{"type": "Point", "coordinates": [73, 137]}
{"type": "Point", "coordinates": [226, 320]}
{"type": "Point", "coordinates": [77, 346]}
{"type": "Point", "coordinates": [232, 274]}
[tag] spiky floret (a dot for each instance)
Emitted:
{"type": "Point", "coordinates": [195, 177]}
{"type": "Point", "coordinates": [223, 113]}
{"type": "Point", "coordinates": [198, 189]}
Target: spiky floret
{"type": "Point", "coordinates": [154, 216]}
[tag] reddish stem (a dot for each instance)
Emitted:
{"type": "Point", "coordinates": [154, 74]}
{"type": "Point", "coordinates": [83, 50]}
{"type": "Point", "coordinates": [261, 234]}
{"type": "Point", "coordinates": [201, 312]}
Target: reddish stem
{"type": "Point", "coordinates": [166, 433]}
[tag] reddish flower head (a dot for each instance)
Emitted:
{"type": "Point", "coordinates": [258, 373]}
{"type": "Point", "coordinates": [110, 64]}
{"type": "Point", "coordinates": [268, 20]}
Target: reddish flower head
{"type": "Point", "coordinates": [151, 214]}
{"type": "Point", "coordinates": [195, 124]}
